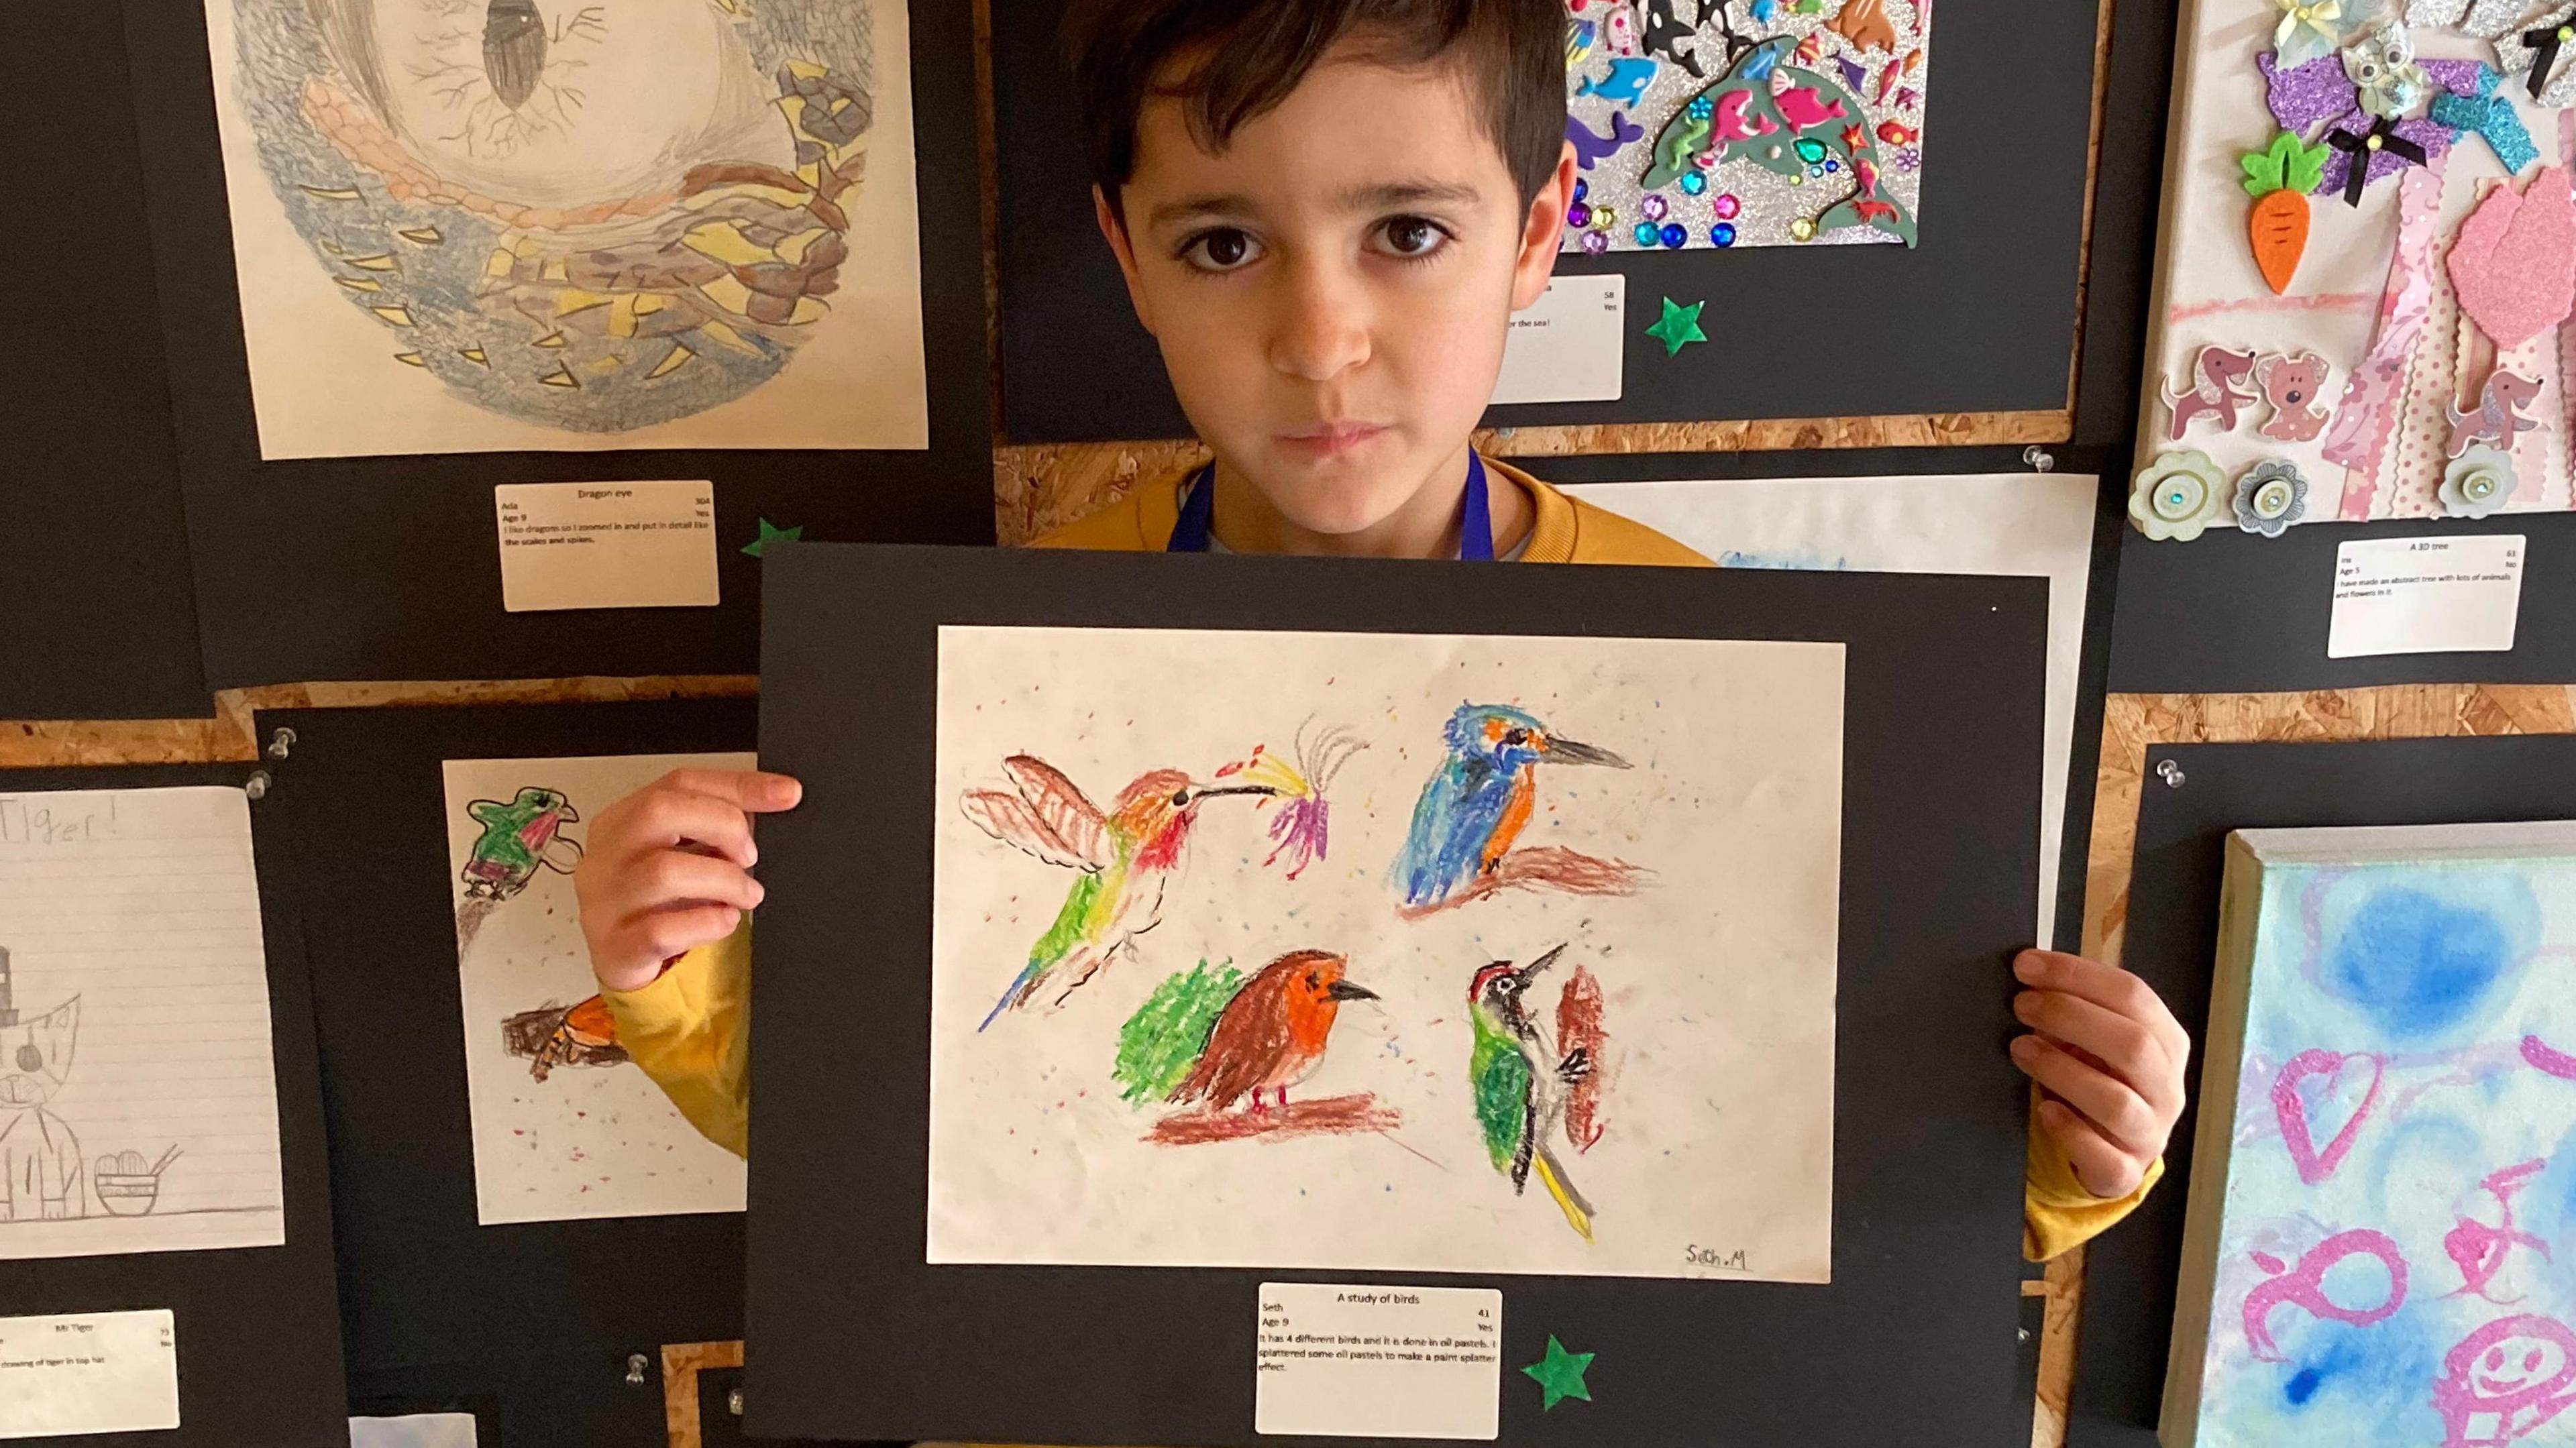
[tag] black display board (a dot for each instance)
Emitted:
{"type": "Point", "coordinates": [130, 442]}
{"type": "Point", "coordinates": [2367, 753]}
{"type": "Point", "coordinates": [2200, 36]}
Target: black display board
{"type": "Point", "coordinates": [93, 550]}
{"type": "Point", "coordinates": [527, 1320]}
{"type": "Point", "coordinates": [257, 1328]}
{"type": "Point", "coordinates": [2172, 941]}
{"type": "Point", "coordinates": [388, 568]}
{"type": "Point", "coordinates": [852, 1335]}
{"type": "Point", "coordinates": [1980, 317]}
{"type": "Point", "coordinates": [2230, 612]}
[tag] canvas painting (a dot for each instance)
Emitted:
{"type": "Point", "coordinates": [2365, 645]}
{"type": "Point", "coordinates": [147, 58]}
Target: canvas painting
{"type": "Point", "coordinates": [138, 1095]}
{"type": "Point", "coordinates": [528, 225]}
{"type": "Point", "coordinates": [1385, 951]}
{"type": "Point", "coordinates": [565, 1125]}
{"type": "Point", "coordinates": [2382, 1242]}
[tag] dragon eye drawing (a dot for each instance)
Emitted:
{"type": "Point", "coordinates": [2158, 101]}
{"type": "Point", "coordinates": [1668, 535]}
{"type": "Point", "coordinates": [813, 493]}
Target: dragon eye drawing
{"type": "Point", "coordinates": [590, 215]}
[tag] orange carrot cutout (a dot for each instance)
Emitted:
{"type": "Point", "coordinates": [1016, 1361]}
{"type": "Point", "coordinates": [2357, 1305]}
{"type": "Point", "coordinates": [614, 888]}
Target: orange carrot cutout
{"type": "Point", "coordinates": [2279, 178]}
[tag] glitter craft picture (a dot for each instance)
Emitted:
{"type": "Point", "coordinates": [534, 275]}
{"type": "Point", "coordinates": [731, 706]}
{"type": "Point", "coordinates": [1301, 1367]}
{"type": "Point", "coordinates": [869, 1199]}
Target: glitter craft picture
{"type": "Point", "coordinates": [1706, 123]}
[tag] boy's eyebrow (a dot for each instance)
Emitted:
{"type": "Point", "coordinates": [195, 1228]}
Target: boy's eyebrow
{"type": "Point", "coordinates": [1189, 208]}
{"type": "Point", "coordinates": [1394, 195]}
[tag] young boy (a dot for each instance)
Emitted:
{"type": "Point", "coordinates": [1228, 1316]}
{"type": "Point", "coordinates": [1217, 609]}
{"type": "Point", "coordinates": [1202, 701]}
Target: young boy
{"type": "Point", "coordinates": [1326, 211]}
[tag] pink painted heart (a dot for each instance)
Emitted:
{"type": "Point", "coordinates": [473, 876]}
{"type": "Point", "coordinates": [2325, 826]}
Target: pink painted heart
{"type": "Point", "coordinates": [2329, 1080]}
{"type": "Point", "coordinates": [2513, 264]}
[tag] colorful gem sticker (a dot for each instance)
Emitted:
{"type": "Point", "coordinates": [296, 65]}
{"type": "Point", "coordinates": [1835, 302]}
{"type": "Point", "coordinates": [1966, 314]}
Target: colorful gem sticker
{"type": "Point", "coordinates": [2178, 495]}
{"type": "Point", "coordinates": [2292, 385]}
{"type": "Point", "coordinates": [2478, 482]}
{"type": "Point", "coordinates": [2270, 498]}
{"type": "Point", "coordinates": [2217, 387]}
{"type": "Point", "coordinates": [2499, 415]}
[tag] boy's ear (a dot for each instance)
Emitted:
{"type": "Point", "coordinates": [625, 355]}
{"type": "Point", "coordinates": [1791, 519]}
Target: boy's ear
{"type": "Point", "coordinates": [1114, 231]}
{"type": "Point", "coordinates": [1543, 230]}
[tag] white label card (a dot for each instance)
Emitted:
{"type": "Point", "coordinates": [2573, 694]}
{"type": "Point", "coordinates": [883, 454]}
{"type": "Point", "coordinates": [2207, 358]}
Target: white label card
{"type": "Point", "coordinates": [1374, 1361]}
{"type": "Point", "coordinates": [606, 545]}
{"type": "Point", "coordinates": [97, 1372]}
{"type": "Point", "coordinates": [2426, 596]}
{"type": "Point", "coordinates": [1567, 346]}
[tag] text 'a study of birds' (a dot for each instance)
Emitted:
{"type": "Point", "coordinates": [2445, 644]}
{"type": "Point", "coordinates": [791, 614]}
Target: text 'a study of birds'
{"type": "Point", "coordinates": [484, 225]}
{"type": "Point", "coordinates": [1414, 952]}
{"type": "Point", "coordinates": [565, 1126]}
{"type": "Point", "coordinates": [138, 1093]}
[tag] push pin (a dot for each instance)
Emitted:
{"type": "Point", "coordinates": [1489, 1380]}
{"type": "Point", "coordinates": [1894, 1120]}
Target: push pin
{"type": "Point", "coordinates": [2038, 459]}
{"type": "Point", "coordinates": [636, 1363]}
{"type": "Point", "coordinates": [257, 785]}
{"type": "Point", "coordinates": [2170, 772]}
{"type": "Point", "coordinates": [281, 743]}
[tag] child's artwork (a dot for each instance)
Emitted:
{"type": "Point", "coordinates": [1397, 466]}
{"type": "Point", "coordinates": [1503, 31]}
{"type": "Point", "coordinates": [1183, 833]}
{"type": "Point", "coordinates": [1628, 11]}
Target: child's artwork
{"type": "Point", "coordinates": [565, 1126]}
{"type": "Point", "coordinates": [2382, 1241]}
{"type": "Point", "coordinates": [488, 225]}
{"type": "Point", "coordinates": [1401, 952]}
{"type": "Point", "coordinates": [1770, 123]}
{"type": "Point", "coordinates": [138, 1099]}
{"type": "Point", "coordinates": [2009, 523]}
{"type": "Point", "coordinates": [2368, 256]}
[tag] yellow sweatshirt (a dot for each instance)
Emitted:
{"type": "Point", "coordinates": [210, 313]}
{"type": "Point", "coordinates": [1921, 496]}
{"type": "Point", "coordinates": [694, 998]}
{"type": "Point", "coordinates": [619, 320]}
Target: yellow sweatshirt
{"type": "Point", "coordinates": [689, 1030]}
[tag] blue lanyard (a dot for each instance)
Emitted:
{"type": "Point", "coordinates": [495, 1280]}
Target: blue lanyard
{"type": "Point", "coordinates": [1190, 534]}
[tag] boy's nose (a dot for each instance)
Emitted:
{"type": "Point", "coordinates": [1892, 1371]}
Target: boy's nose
{"type": "Point", "coordinates": [1321, 328]}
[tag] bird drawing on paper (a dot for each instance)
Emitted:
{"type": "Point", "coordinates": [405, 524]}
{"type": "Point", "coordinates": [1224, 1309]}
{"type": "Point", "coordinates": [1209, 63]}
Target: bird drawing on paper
{"type": "Point", "coordinates": [1522, 1085]}
{"type": "Point", "coordinates": [1273, 1033]}
{"type": "Point", "coordinates": [1122, 859]}
{"type": "Point", "coordinates": [1477, 802]}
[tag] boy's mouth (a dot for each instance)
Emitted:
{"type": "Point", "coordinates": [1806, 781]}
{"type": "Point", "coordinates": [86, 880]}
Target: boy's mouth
{"type": "Point", "coordinates": [1329, 440]}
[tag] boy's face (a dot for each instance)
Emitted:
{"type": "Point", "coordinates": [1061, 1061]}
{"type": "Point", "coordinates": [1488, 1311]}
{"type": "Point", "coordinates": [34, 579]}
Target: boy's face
{"type": "Point", "coordinates": [1332, 292]}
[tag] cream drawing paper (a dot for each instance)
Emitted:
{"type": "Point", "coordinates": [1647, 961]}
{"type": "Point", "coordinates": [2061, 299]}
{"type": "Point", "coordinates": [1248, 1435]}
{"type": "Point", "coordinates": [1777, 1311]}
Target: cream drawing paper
{"type": "Point", "coordinates": [2038, 524]}
{"type": "Point", "coordinates": [138, 1098]}
{"type": "Point", "coordinates": [522, 225]}
{"type": "Point", "coordinates": [1393, 952]}
{"type": "Point", "coordinates": [565, 1126]}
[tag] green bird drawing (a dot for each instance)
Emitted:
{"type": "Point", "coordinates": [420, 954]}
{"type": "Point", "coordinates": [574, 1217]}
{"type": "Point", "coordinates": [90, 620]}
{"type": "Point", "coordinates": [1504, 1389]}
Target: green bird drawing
{"type": "Point", "coordinates": [1795, 122]}
{"type": "Point", "coordinates": [1522, 1084]}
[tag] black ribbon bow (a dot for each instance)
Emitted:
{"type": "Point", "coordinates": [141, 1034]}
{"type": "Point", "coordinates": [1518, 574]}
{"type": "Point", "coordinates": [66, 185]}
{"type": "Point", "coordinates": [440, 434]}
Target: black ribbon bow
{"type": "Point", "coordinates": [2382, 136]}
{"type": "Point", "coordinates": [2543, 44]}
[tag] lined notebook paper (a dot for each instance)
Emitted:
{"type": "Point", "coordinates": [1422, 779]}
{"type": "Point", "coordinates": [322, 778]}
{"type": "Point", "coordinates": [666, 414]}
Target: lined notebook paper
{"type": "Point", "coordinates": [138, 1099]}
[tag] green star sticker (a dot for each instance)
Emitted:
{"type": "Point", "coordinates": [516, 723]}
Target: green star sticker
{"type": "Point", "coordinates": [1560, 1373]}
{"type": "Point", "coordinates": [771, 533]}
{"type": "Point", "coordinates": [1679, 326]}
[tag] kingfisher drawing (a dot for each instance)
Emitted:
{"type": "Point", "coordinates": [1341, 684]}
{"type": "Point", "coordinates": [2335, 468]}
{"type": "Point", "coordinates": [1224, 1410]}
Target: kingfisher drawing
{"type": "Point", "coordinates": [1523, 1085]}
{"type": "Point", "coordinates": [1123, 857]}
{"type": "Point", "coordinates": [1475, 805]}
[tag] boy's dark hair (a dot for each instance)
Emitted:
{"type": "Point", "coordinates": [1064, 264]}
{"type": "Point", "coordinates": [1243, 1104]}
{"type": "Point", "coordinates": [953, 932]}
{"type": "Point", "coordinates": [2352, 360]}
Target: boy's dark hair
{"type": "Point", "coordinates": [1243, 57]}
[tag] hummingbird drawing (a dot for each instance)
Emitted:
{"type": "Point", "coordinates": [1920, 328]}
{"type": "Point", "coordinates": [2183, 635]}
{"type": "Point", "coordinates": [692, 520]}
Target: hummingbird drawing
{"type": "Point", "coordinates": [1122, 859]}
{"type": "Point", "coordinates": [1273, 1033]}
{"type": "Point", "coordinates": [1478, 799]}
{"type": "Point", "coordinates": [1522, 1084]}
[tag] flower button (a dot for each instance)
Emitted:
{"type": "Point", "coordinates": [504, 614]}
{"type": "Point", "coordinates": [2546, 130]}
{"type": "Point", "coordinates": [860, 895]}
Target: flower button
{"type": "Point", "coordinates": [2177, 495]}
{"type": "Point", "coordinates": [2478, 482]}
{"type": "Point", "coordinates": [2271, 497]}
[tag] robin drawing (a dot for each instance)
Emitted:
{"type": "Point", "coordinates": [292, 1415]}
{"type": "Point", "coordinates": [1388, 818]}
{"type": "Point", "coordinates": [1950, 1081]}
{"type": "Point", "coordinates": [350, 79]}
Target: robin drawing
{"type": "Point", "coordinates": [1122, 858]}
{"type": "Point", "coordinates": [1273, 1033]}
{"type": "Point", "coordinates": [1522, 1085]}
{"type": "Point", "coordinates": [1477, 801]}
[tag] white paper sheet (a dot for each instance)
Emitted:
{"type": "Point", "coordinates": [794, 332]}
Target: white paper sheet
{"type": "Point", "coordinates": [2037, 524]}
{"type": "Point", "coordinates": [138, 1099]}
{"type": "Point", "coordinates": [1710, 1075]}
{"type": "Point", "coordinates": [591, 1136]}
{"type": "Point", "coordinates": [471, 228]}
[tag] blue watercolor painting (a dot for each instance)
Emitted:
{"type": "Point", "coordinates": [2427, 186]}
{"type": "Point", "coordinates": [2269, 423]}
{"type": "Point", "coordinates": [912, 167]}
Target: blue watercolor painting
{"type": "Point", "coordinates": [2397, 1248]}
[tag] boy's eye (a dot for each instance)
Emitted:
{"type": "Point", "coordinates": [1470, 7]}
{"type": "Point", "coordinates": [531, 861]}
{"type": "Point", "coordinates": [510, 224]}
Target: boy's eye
{"type": "Point", "coordinates": [1223, 249]}
{"type": "Point", "coordinates": [1412, 236]}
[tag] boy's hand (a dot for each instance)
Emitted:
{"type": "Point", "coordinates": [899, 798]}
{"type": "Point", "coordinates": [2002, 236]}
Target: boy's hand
{"type": "Point", "coordinates": [668, 868]}
{"type": "Point", "coordinates": [2109, 1057]}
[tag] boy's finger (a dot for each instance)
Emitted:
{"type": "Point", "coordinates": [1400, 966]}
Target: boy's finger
{"type": "Point", "coordinates": [658, 935]}
{"type": "Point", "coordinates": [2107, 986]}
{"type": "Point", "coordinates": [678, 817]}
{"type": "Point", "coordinates": [676, 877]}
{"type": "Point", "coordinates": [2131, 1050]}
{"type": "Point", "coordinates": [2101, 1167]}
{"type": "Point", "coordinates": [2121, 1114]}
{"type": "Point", "coordinates": [753, 790]}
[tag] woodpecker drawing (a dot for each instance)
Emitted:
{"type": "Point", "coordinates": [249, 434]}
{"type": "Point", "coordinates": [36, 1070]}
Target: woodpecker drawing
{"type": "Point", "coordinates": [1478, 799]}
{"type": "Point", "coordinates": [1522, 1084]}
{"type": "Point", "coordinates": [1122, 858]}
{"type": "Point", "coordinates": [1273, 1033]}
